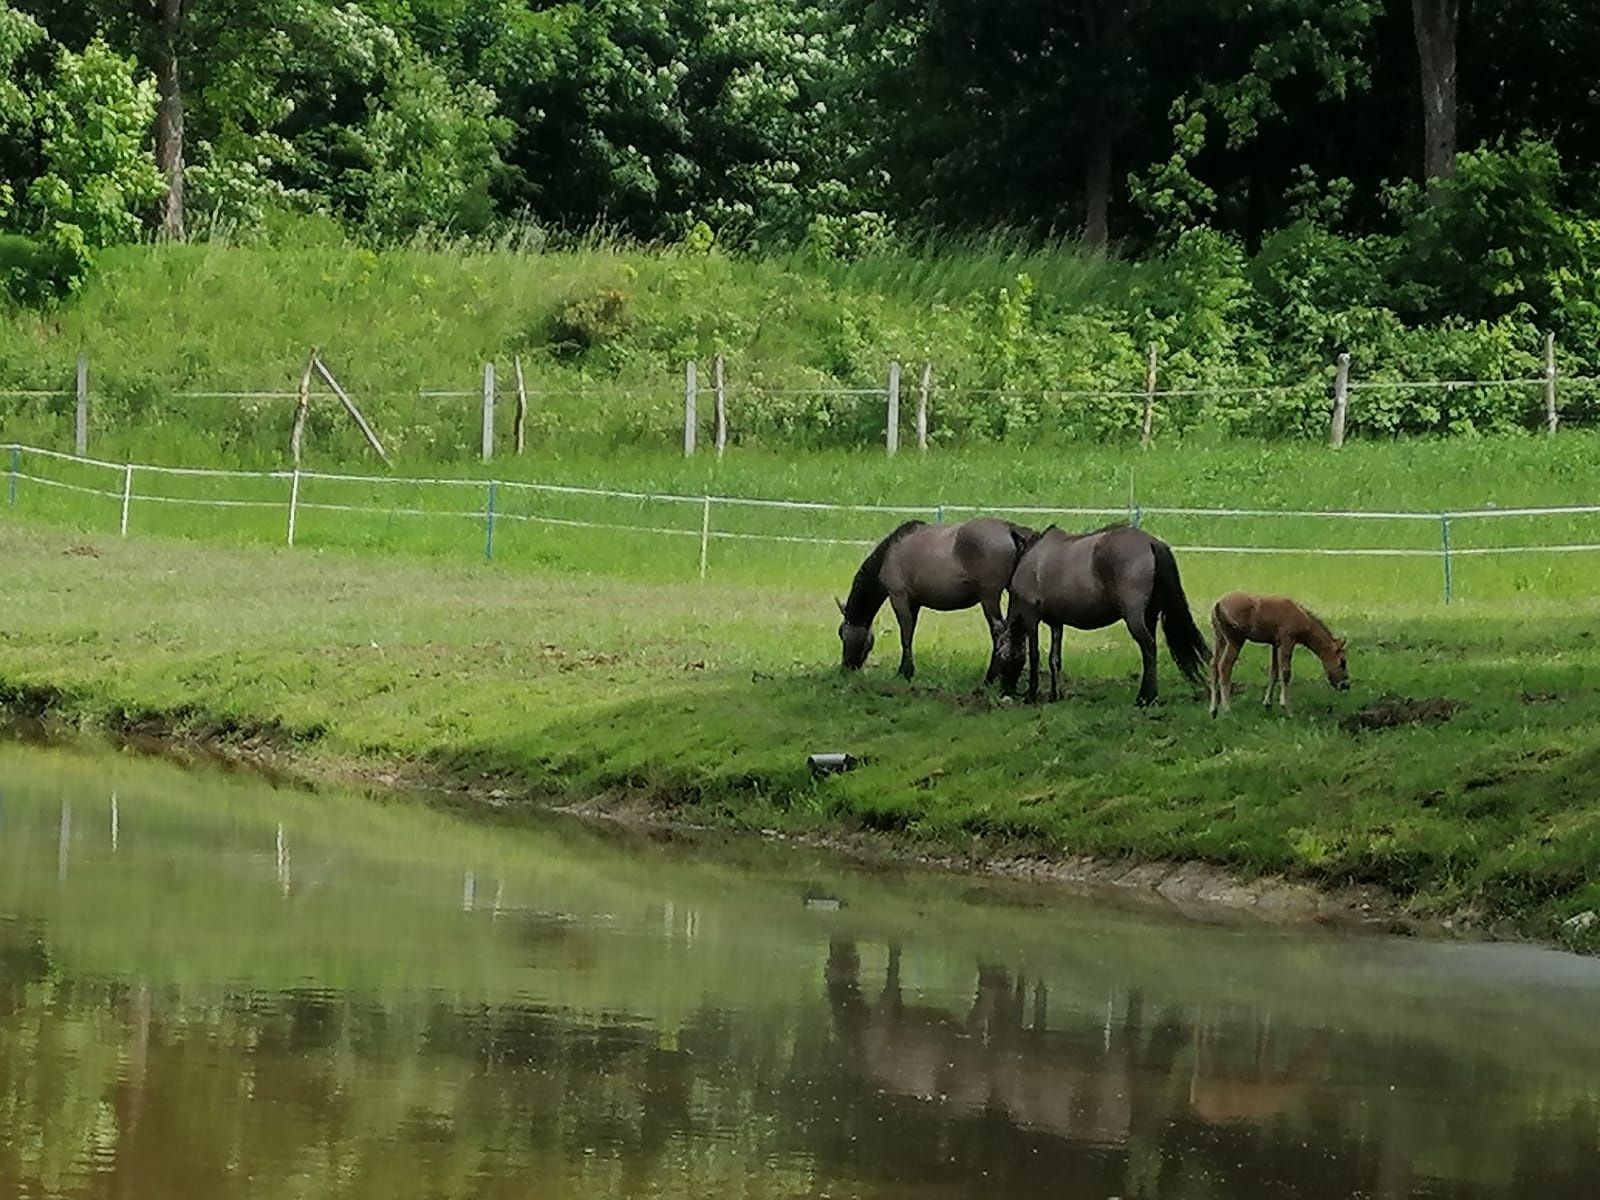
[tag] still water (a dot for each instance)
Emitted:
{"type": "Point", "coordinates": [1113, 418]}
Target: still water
{"type": "Point", "coordinates": [213, 988]}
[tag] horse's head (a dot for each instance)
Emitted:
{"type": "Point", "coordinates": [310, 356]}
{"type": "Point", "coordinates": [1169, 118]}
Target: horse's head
{"type": "Point", "coordinates": [856, 641]}
{"type": "Point", "coordinates": [1333, 662]}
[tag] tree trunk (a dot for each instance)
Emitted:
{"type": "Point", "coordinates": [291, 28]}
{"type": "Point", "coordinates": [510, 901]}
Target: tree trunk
{"type": "Point", "coordinates": [1436, 23]}
{"type": "Point", "coordinates": [1097, 189]}
{"type": "Point", "coordinates": [169, 117]}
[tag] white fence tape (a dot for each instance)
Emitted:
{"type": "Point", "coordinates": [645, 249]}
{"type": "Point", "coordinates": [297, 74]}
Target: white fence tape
{"type": "Point", "coordinates": [126, 495]}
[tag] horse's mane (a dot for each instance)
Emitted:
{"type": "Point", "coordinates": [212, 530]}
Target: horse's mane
{"type": "Point", "coordinates": [867, 592]}
{"type": "Point", "coordinates": [1318, 624]}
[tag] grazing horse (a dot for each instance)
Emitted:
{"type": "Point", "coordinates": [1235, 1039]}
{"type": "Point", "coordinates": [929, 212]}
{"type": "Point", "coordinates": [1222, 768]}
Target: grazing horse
{"type": "Point", "coordinates": [1089, 581]}
{"type": "Point", "coordinates": [1283, 624]}
{"type": "Point", "coordinates": [942, 567]}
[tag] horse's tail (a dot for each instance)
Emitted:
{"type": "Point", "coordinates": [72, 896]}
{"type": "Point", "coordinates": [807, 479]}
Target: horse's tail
{"type": "Point", "coordinates": [1185, 642]}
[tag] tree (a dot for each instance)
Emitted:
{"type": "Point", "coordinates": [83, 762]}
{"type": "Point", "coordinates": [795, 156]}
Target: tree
{"type": "Point", "coordinates": [1436, 24]}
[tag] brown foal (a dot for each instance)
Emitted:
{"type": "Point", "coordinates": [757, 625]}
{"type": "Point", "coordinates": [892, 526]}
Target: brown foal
{"type": "Point", "coordinates": [1282, 624]}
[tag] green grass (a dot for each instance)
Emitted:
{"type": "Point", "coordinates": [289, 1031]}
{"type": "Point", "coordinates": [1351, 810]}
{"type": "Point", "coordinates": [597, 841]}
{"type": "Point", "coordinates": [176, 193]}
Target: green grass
{"type": "Point", "coordinates": [583, 662]}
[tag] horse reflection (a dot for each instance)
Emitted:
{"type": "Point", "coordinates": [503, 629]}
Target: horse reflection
{"type": "Point", "coordinates": [990, 1060]}
{"type": "Point", "coordinates": [998, 1058]}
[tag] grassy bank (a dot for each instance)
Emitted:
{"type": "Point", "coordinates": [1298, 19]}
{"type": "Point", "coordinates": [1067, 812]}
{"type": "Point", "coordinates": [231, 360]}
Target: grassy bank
{"type": "Point", "coordinates": [707, 697]}
{"type": "Point", "coordinates": [1025, 345]}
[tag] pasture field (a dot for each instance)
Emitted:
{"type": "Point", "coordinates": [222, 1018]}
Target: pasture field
{"type": "Point", "coordinates": [584, 662]}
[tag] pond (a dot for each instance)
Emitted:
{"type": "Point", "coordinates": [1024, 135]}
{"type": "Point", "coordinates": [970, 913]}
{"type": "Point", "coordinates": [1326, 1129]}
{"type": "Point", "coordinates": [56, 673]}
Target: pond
{"type": "Point", "coordinates": [210, 986]}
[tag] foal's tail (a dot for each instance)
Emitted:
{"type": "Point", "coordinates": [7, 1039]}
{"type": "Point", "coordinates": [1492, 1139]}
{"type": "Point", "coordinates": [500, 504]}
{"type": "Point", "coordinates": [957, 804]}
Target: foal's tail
{"type": "Point", "coordinates": [1185, 642]}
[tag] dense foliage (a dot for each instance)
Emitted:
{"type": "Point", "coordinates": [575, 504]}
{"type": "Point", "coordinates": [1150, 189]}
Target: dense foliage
{"type": "Point", "coordinates": [1409, 179]}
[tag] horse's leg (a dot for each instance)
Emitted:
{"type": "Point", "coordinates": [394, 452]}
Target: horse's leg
{"type": "Point", "coordinates": [991, 615]}
{"type": "Point", "coordinates": [1139, 630]}
{"type": "Point", "coordinates": [906, 613]}
{"type": "Point", "coordinates": [1057, 636]}
{"type": "Point", "coordinates": [1272, 677]}
{"type": "Point", "coordinates": [1286, 655]}
{"type": "Point", "coordinates": [1033, 662]}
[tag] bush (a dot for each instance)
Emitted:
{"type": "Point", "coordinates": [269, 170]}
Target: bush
{"type": "Point", "coordinates": [36, 272]}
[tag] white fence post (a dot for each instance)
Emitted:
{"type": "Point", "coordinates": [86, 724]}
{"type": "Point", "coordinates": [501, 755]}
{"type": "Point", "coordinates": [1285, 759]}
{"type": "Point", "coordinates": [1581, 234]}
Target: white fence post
{"type": "Point", "coordinates": [294, 503]}
{"type": "Point", "coordinates": [892, 432]}
{"type": "Point", "coordinates": [127, 498]}
{"type": "Point", "coordinates": [488, 411]}
{"type": "Point", "coordinates": [691, 404]}
{"type": "Point", "coordinates": [722, 406]}
{"type": "Point", "coordinates": [1551, 418]}
{"type": "Point", "coordinates": [81, 429]}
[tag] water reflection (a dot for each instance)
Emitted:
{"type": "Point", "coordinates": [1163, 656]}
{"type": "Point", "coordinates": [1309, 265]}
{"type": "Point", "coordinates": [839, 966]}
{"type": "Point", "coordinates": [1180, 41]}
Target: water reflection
{"type": "Point", "coordinates": [209, 988]}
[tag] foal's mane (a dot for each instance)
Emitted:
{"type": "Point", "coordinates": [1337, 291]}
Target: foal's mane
{"type": "Point", "coordinates": [1318, 624]}
{"type": "Point", "coordinates": [867, 592]}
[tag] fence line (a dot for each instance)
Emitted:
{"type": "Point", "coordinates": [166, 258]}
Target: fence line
{"type": "Point", "coordinates": [1445, 553]}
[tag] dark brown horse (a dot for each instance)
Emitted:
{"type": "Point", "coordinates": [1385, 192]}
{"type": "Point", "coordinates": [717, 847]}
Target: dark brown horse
{"type": "Point", "coordinates": [942, 567]}
{"type": "Point", "coordinates": [1089, 581]}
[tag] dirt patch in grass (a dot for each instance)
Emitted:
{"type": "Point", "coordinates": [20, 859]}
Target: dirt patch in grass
{"type": "Point", "coordinates": [1391, 711]}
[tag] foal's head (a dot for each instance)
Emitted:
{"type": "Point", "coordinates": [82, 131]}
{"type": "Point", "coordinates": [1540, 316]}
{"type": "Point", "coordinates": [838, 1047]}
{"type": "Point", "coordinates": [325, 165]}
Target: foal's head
{"type": "Point", "coordinates": [1333, 662]}
{"type": "Point", "coordinates": [856, 641]}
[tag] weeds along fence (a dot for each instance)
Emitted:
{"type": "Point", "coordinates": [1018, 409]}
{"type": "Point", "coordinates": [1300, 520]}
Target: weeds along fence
{"type": "Point", "coordinates": [556, 524]}
{"type": "Point", "coordinates": [501, 411]}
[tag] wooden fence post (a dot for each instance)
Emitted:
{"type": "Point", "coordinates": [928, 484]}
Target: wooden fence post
{"type": "Point", "coordinates": [522, 403]}
{"type": "Point", "coordinates": [294, 504]}
{"type": "Point", "coordinates": [722, 405]}
{"type": "Point", "coordinates": [892, 430]}
{"type": "Point", "coordinates": [691, 405]}
{"type": "Point", "coordinates": [924, 387]}
{"type": "Point", "coordinates": [302, 406]}
{"type": "Point", "coordinates": [1551, 418]}
{"type": "Point", "coordinates": [1149, 398]}
{"type": "Point", "coordinates": [81, 430]}
{"type": "Point", "coordinates": [1341, 399]}
{"type": "Point", "coordinates": [488, 411]}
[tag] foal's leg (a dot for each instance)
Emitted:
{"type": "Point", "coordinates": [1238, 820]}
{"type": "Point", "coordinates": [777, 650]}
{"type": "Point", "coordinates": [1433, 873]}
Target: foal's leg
{"type": "Point", "coordinates": [906, 613]}
{"type": "Point", "coordinates": [1285, 654]}
{"type": "Point", "coordinates": [1139, 630]}
{"type": "Point", "coordinates": [1222, 661]}
{"type": "Point", "coordinates": [1057, 636]}
{"type": "Point", "coordinates": [1272, 677]}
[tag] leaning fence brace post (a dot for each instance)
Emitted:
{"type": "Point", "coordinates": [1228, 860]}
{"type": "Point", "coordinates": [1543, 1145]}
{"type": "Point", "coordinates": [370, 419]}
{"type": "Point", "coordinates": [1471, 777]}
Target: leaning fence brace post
{"type": "Point", "coordinates": [294, 503]}
{"type": "Point", "coordinates": [892, 430]}
{"type": "Point", "coordinates": [722, 405]}
{"type": "Point", "coordinates": [1341, 399]}
{"type": "Point", "coordinates": [1551, 419]}
{"type": "Point", "coordinates": [127, 498]}
{"type": "Point", "coordinates": [81, 440]}
{"type": "Point", "coordinates": [691, 405]}
{"type": "Point", "coordinates": [705, 535]}
{"type": "Point", "coordinates": [11, 488]}
{"type": "Point", "coordinates": [488, 411]}
{"type": "Point", "coordinates": [924, 387]}
{"type": "Point", "coordinates": [488, 523]}
{"type": "Point", "coordinates": [1149, 398]}
{"type": "Point", "coordinates": [1444, 539]}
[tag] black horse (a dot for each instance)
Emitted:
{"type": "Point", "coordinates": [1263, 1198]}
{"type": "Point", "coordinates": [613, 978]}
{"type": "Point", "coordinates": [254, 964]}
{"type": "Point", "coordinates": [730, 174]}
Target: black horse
{"type": "Point", "coordinates": [1089, 581]}
{"type": "Point", "coordinates": [942, 567]}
